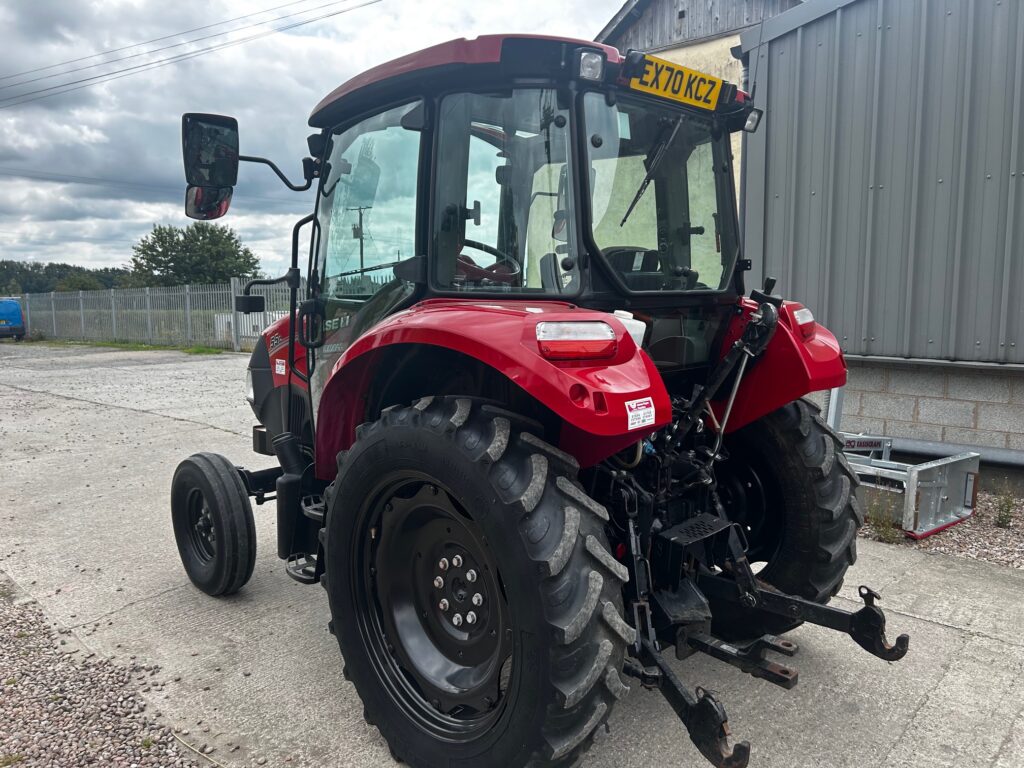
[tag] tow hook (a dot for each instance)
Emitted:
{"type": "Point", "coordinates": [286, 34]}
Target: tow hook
{"type": "Point", "coordinates": [701, 713]}
{"type": "Point", "coordinates": [867, 628]}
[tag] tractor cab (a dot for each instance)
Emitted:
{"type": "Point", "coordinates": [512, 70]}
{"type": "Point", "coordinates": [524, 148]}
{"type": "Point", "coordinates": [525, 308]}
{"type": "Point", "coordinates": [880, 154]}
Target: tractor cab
{"type": "Point", "coordinates": [518, 168]}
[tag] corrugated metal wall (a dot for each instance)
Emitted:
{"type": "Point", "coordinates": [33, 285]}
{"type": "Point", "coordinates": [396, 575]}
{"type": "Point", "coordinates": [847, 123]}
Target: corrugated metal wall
{"type": "Point", "coordinates": [666, 23]}
{"type": "Point", "coordinates": [883, 188]}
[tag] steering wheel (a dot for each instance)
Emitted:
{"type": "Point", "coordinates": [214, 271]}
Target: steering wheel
{"type": "Point", "coordinates": [467, 267]}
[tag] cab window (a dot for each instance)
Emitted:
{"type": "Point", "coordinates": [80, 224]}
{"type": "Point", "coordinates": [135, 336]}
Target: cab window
{"type": "Point", "coordinates": [368, 204]}
{"type": "Point", "coordinates": [502, 215]}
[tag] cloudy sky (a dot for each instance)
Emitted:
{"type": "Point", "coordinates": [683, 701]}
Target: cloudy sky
{"type": "Point", "coordinates": [84, 174]}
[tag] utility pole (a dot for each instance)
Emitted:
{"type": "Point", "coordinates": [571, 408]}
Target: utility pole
{"type": "Point", "coordinates": [357, 230]}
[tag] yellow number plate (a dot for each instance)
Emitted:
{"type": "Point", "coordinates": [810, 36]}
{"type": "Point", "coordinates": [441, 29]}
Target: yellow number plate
{"type": "Point", "coordinates": [671, 81]}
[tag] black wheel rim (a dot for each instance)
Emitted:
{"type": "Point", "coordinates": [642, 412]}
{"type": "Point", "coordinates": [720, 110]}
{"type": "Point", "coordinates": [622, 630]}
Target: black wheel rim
{"type": "Point", "coordinates": [755, 505]}
{"type": "Point", "coordinates": [433, 612]}
{"type": "Point", "coordinates": [201, 533]}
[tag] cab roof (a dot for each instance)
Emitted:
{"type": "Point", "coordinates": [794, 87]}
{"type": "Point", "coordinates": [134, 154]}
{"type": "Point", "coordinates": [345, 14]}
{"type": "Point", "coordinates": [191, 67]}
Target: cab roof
{"type": "Point", "coordinates": [389, 78]}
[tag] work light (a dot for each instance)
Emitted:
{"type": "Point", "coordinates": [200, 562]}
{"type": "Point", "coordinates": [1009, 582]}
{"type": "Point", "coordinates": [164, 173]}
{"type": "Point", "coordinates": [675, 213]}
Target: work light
{"type": "Point", "coordinates": [591, 65]}
{"type": "Point", "coordinates": [753, 120]}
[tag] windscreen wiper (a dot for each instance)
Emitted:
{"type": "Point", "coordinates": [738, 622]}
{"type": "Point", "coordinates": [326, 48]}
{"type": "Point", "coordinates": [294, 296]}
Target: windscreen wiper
{"type": "Point", "coordinates": [659, 155]}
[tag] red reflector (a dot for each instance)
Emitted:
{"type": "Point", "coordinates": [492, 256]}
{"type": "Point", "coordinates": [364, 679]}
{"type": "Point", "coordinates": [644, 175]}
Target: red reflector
{"type": "Point", "coordinates": [577, 349]}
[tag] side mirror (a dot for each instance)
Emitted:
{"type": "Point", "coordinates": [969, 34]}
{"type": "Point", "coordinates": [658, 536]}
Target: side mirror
{"type": "Point", "coordinates": [247, 305]}
{"type": "Point", "coordinates": [205, 203]}
{"type": "Point", "coordinates": [209, 145]}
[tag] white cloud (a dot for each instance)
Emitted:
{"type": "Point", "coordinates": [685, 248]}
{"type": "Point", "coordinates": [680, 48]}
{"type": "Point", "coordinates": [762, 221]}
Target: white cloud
{"type": "Point", "coordinates": [126, 133]}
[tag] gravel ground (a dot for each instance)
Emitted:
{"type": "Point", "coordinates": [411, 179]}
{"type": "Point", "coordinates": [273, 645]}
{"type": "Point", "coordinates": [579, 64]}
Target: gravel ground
{"type": "Point", "coordinates": [979, 537]}
{"type": "Point", "coordinates": [62, 707]}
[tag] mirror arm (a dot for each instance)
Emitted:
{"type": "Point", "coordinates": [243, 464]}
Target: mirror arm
{"type": "Point", "coordinates": [280, 175]}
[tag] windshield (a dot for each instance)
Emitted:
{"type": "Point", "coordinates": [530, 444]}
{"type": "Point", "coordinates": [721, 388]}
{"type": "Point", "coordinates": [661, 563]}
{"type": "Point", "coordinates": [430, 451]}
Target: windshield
{"type": "Point", "coordinates": [502, 218]}
{"type": "Point", "coordinates": [662, 204]}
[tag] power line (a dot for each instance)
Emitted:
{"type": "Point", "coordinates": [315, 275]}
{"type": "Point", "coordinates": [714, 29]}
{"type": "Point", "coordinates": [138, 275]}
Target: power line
{"type": "Point", "coordinates": [163, 48]}
{"type": "Point", "coordinates": [148, 42]}
{"type": "Point", "coordinates": [15, 101]}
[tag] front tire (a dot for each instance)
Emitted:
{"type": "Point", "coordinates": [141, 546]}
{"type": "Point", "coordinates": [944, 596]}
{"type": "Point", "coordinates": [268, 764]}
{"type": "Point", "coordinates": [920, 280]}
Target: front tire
{"type": "Point", "coordinates": [789, 485]}
{"type": "Point", "coordinates": [213, 524]}
{"type": "Point", "coordinates": [537, 673]}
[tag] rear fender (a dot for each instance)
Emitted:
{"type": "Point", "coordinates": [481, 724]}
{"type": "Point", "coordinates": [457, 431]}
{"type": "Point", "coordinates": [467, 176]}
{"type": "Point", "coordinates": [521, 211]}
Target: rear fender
{"type": "Point", "coordinates": [590, 398]}
{"type": "Point", "coordinates": [793, 365]}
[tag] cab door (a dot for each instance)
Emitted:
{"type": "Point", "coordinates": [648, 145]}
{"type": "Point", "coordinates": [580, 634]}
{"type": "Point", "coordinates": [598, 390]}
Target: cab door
{"type": "Point", "coordinates": [367, 204]}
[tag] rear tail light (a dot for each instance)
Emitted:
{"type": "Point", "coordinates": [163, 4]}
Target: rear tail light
{"type": "Point", "coordinates": [804, 319]}
{"type": "Point", "coordinates": [589, 340]}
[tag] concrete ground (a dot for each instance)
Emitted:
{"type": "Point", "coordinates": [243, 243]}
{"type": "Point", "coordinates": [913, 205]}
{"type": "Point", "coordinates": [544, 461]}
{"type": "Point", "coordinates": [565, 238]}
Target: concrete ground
{"type": "Point", "coordinates": [89, 439]}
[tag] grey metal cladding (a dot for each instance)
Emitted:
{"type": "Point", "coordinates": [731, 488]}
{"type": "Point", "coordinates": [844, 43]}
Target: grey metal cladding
{"type": "Point", "coordinates": [652, 25]}
{"type": "Point", "coordinates": [884, 187]}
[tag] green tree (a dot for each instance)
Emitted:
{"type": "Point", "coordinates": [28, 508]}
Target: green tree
{"type": "Point", "coordinates": [37, 277]}
{"type": "Point", "coordinates": [200, 253]}
{"type": "Point", "coordinates": [79, 281]}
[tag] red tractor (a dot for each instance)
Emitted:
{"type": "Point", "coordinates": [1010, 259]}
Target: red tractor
{"type": "Point", "coordinates": [532, 434]}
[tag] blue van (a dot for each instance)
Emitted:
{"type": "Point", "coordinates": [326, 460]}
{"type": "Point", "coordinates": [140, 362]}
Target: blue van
{"type": "Point", "coordinates": [11, 321]}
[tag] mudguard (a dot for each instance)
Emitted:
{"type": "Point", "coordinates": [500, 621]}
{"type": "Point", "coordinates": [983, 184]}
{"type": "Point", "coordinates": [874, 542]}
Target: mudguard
{"type": "Point", "coordinates": [797, 361]}
{"type": "Point", "coordinates": [605, 405]}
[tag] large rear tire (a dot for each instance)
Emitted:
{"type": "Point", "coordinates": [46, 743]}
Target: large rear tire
{"type": "Point", "coordinates": [213, 524]}
{"type": "Point", "coordinates": [789, 484]}
{"type": "Point", "coordinates": [426, 494]}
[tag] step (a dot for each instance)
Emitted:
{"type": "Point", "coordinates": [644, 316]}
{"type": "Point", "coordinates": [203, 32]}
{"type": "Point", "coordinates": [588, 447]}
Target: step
{"type": "Point", "coordinates": [313, 507]}
{"type": "Point", "coordinates": [302, 568]}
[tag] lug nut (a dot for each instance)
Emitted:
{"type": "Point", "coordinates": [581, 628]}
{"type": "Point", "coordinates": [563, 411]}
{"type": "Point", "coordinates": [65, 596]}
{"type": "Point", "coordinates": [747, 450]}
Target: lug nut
{"type": "Point", "coordinates": [478, 599]}
{"type": "Point", "coordinates": [471, 618]}
{"type": "Point", "coordinates": [443, 605]}
{"type": "Point", "coordinates": [439, 582]}
{"type": "Point", "coordinates": [457, 561]}
{"type": "Point", "coordinates": [457, 619]}
{"type": "Point", "coordinates": [443, 565]}
{"type": "Point", "coordinates": [470, 576]}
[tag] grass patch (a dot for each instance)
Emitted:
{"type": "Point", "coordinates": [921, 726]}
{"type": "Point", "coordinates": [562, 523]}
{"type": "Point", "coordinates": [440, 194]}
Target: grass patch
{"type": "Point", "coordinates": [8, 760]}
{"type": "Point", "coordinates": [10, 681]}
{"type": "Point", "coordinates": [131, 346]}
{"type": "Point", "coordinates": [1005, 507]}
{"type": "Point", "coordinates": [147, 743]}
{"type": "Point", "coordinates": [880, 516]}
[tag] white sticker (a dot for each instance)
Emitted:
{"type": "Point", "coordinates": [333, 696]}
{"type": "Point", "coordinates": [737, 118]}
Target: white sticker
{"type": "Point", "coordinates": [640, 412]}
{"type": "Point", "coordinates": [279, 367]}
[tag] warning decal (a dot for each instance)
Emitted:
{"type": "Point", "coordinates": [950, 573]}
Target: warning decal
{"type": "Point", "coordinates": [640, 413]}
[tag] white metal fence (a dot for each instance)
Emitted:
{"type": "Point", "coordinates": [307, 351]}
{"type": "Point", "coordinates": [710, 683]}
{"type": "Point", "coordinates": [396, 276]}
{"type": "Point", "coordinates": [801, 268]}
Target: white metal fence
{"type": "Point", "coordinates": [182, 315]}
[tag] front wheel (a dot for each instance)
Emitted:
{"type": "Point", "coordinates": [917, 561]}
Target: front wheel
{"type": "Point", "coordinates": [788, 484]}
{"type": "Point", "coordinates": [213, 523]}
{"type": "Point", "coordinates": [471, 588]}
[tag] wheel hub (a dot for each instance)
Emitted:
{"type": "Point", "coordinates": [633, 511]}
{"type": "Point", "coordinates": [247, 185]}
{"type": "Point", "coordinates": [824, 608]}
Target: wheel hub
{"type": "Point", "coordinates": [463, 598]}
{"type": "Point", "coordinates": [202, 533]}
{"type": "Point", "coordinates": [751, 505]}
{"type": "Point", "coordinates": [444, 632]}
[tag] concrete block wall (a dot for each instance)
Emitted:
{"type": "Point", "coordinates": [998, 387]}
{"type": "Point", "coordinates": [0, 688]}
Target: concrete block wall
{"type": "Point", "coordinates": [939, 403]}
